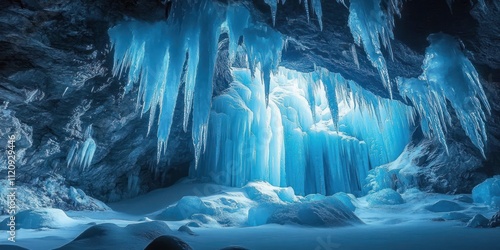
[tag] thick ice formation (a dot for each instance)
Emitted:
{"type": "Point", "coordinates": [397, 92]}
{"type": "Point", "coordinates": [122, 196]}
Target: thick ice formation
{"type": "Point", "coordinates": [488, 192]}
{"type": "Point", "coordinates": [371, 27]}
{"type": "Point", "coordinates": [448, 76]}
{"type": "Point", "coordinates": [82, 153]}
{"type": "Point", "coordinates": [305, 138]}
{"type": "Point", "coordinates": [160, 56]}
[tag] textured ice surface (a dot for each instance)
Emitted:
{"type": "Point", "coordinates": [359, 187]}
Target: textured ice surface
{"type": "Point", "coordinates": [448, 76]}
{"type": "Point", "coordinates": [488, 192]}
{"type": "Point", "coordinates": [259, 203]}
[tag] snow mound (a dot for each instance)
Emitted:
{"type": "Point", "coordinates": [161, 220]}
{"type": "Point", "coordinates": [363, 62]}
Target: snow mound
{"type": "Point", "coordinates": [444, 206]}
{"type": "Point", "coordinates": [478, 221]}
{"type": "Point", "coordinates": [168, 242]}
{"type": "Point", "coordinates": [488, 192]}
{"type": "Point", "coordinates": [384, 197]}
{"type": "Point", "coordinates": [327, 212]}
{"type": "Point", "coordinates": [456, 216]}
{"type": "Point", "coordinates": [40, 218]}
{"type": "Point", "coordinates": [185, 208]}
{"type": "Point", "coordinates": [111, 236]}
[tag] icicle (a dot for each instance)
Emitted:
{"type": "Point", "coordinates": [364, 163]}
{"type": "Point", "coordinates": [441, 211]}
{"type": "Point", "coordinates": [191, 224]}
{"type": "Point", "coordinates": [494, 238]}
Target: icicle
{"type": "Point", "coordinates": [354, 54]}
{"type": "Point", "coordinates": [448, 76]}
{"type": "Point", "coordinates": [369, 26]}
{"type": "Point", "coordinates": [82, 153]}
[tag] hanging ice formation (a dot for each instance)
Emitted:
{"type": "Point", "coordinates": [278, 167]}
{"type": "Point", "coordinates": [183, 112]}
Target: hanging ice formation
{"type": "Point", "coordinates": [448, 76]}
{"type": "Point", "coordinates": [319, 134]}
{"type": "Point", "coordinates": [371, 26]}
{"type": "Point", "coordinates": [155, 53]}
{"type": "Point", "coordinates": [315, 4]}
{"type": "Point", "coordinates": [82, 153]}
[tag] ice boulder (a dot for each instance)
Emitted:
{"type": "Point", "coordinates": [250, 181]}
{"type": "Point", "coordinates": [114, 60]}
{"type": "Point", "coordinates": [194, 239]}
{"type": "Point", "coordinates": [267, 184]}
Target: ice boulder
{"type": "Point", "coordinates": [324, 213]}
{"type": "Point", "coordinates": [265, 192]}
{"type": "Point", "coordinates": [444, 206]}
{"type": "Point", "coordinates": [488, 192]}
{"type": "Point", "coordinates": [40, 218]}
{"type": "Point", "coordinates": [185, 208]}
{"type": "Point", "coordinates": [384, 197]}
{"type": "Point", "coordinates": [478, 221]}
{"type": "Point", "coordinates": [347, 199]}
{"type": "Point", "coordinates": [111, 236]}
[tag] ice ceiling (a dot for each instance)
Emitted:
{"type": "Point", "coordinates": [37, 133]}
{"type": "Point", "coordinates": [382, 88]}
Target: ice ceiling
{"type": "Point", "coordinates": [315, 131]}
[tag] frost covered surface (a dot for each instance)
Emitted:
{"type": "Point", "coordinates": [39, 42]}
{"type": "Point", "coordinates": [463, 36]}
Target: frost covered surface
{"type": "Point", "coordinates": [319, 133]}
{"type": "Point", "coordinates": [397, 223]}
{"type": "Point", "coordinates": [40, 218]}
{"type": "Point", "coordinates": [448, 76]}
{"type": "Point", "coordinates": [50, 192]}
{"type": "Point", "coordinates": [488, 192]}
{"type": "Point", "coordinates": [259, 203]}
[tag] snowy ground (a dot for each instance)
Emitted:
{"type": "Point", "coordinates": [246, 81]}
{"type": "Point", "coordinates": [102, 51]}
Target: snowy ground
{"type": "Point", "coordinates": [404, 226]}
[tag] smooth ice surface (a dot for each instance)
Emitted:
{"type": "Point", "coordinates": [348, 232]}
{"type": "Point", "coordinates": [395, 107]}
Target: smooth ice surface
{"type": "Point", "coordinates": [488, 192]}
{"type": "Point", "coordinates": [448, 76]}
{"type": "Point", "coordinates": [444, 206]}
{"type": "Point", "coordinates": [318, 133]}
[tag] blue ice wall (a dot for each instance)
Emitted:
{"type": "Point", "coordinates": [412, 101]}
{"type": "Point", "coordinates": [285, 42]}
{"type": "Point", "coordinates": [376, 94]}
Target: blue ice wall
{"type": "Point", "coordinates": [448, 76]}
{"type": "Point", "coordinates": [295, 140]}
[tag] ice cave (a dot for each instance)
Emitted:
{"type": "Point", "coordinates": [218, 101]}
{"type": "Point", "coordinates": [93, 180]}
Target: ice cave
{"type": "Point", "coordinates": [249, 124]}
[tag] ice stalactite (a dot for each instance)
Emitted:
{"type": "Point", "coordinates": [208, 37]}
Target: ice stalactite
{"type": "Point", "coordinates": [307, 137]}
{"type": "Point", "coordinates": [448, 76]}
{"type": "Point", "coordinates": [155, 55]}
{"type": "Point", "coordinates": [371, 27]}
{"type": "Point", "coordinates": [315, 4]}
{"type": "Point", "coordinates": [82, 153]}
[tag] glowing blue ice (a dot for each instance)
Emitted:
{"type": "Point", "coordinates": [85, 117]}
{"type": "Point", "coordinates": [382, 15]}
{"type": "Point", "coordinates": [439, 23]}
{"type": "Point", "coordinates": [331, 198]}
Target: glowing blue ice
{"type": "Point", "coordinates": [297, 140]}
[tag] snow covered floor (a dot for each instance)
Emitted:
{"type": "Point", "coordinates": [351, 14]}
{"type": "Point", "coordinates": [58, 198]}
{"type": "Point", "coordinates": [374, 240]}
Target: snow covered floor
{"type": "Point", "coordinates": [405, 226]}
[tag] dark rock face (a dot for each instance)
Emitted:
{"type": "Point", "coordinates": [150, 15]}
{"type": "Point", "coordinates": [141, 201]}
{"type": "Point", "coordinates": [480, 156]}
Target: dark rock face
{"type": "Point", "coordinates": [495, 220]}
{"type": "Point", "coordinates": [55, 81]}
